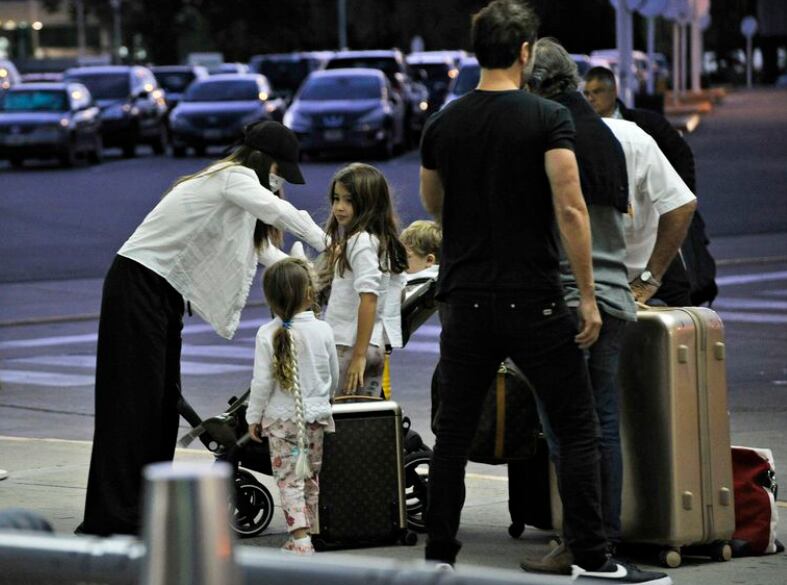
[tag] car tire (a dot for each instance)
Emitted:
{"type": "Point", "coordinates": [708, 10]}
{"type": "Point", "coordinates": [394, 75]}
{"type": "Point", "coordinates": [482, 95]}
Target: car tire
{"type": "Point", "coordinates": [69, 157]}
{"type": "Point", "coordinates": [96, 156]}
{"type": "Point", "coordinates": [129, 150]}
{"type": "Point", "coordinates": [159, 144]}
{"type": "Point", "coordinates": [385, 150]}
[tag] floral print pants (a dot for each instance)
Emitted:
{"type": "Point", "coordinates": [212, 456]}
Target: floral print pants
{"type": "Point", "coordinates": [299, 498]}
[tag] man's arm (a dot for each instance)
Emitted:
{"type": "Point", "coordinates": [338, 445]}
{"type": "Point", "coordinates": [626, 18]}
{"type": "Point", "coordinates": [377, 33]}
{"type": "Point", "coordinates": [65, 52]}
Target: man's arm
{"type": "Point", "coordinates": [672, 229]}
{"type": "Point", "coordinates": [574, 225]}
{"type": "Point", "coordinates": [432, 192]}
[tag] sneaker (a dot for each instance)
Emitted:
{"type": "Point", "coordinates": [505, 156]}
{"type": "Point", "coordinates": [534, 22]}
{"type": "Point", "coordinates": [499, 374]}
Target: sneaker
{"type": "Point", "coordinates": [617, 572]}
{"type": "Point", "coordinates": [298, 548]}
{"type": "Point", "coordinates": [558, 561]}
{"type": "Point", "coordinates": [3, 474]}
{"type": "Point", "coordinates": [444, 567]}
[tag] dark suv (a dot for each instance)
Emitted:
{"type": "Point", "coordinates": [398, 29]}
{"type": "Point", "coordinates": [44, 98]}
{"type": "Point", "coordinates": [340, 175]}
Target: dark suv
{"type": "Point", "coordinates": [286, 71]}
{"type": "Point", "coordinates": [133, 107]}
{"type": "Point", "coordinates": [391, 62]}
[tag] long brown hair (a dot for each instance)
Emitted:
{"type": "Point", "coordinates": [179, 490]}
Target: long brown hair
{"type": "Point", "coordinates": [373, 212]}
{"type": "Point", "coordinates": [289, 286]}
{"type": "Point", "coordinates": [261, 164]}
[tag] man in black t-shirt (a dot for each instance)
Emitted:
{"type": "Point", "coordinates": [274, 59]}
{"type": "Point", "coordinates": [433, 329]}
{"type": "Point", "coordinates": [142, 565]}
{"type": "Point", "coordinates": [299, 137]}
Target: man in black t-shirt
{"type": "Point", "coordinates": [498, 169]}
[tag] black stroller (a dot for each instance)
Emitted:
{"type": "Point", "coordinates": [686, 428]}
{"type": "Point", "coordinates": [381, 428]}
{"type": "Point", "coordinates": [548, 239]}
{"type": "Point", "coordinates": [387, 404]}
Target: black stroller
{"type": "Point", "coordinates": [226, 436]}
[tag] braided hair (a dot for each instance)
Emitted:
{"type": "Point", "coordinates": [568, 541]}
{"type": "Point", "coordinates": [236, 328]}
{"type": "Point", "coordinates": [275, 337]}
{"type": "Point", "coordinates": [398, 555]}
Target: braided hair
{"type": "Point", "coordinates": [288, 286]}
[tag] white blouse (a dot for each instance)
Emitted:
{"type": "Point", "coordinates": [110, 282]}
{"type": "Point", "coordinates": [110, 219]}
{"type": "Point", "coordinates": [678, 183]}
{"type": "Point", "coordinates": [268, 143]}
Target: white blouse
{"type": "Point", "coordinates": [318, 372]}
{"type": "Point", "coordinates": [365, 276]}
{"type": "Point", "coordinates": [200, 239]}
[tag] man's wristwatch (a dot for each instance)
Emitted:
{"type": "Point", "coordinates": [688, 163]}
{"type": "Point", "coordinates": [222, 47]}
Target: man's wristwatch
{"type": "Point", "coordinates": [647, 278]}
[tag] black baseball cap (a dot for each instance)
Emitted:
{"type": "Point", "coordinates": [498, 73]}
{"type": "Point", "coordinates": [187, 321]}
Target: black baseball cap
{"type": "Point", "coordinates": [278, 142]}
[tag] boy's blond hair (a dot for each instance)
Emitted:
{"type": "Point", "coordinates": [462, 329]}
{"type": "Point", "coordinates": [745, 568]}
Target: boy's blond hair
{"type": "Point", "coordinates": [423, 237]}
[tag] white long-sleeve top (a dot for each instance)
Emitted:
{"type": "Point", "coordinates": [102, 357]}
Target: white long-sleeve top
{"type": "Point", "coordinates": [200, 239]}
{"type": "Point", "coordinates": [655, 188]}
{"type": "Point", "coordinates": [365, 276]}
{"type": "Point", "coordinates": [318, 372]}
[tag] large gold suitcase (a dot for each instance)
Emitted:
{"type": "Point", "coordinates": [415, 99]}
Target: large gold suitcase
{"type": "Point", "coordinates": [677, 480]}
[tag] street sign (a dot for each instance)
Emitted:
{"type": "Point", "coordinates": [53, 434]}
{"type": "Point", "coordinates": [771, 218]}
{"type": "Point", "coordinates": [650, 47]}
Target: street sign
{"type": "Point", "coordinates": [749, 26]}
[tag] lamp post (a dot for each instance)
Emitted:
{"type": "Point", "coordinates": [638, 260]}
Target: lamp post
{"type": "Point", "coordinates": [80, 14]}
{"type": "Point", "coordinates": [116, 38]}
{"type": "Point", "coordinates": [342, 7]}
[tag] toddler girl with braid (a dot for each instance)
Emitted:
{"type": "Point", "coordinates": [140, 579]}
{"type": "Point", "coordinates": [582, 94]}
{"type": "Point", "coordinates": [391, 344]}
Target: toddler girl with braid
{"type": "Point", "coordinates": [296, 373]}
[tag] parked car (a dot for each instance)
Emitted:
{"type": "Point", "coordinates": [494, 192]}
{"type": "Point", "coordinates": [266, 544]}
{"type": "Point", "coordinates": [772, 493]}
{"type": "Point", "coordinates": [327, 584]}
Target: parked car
{"type": "Point", "coordinates": [41, 120]}
{"type": "Point", "coordinates": [391, 62]}
{"type": "Point", "coordinates": [347, 108]}
{"type": "Point", "coordinates": [8, 75]}
{"type": "Point", "coordinates": [439, 69]}
{"type": "Point", "coordinates": [286, 71]}
{"type": "Point", "coordinates": [214, 111]}
{"type": "Point", "coordinates": [228, 68]}
{"type": "Point", "coordinates": [175, 80]}
{"type": "Point", "coordinates": [466, 80]}
{"type": "Point", "coordinates": [132, 105]}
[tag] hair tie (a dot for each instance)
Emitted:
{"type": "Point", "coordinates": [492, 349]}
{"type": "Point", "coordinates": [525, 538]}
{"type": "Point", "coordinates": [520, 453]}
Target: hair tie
{"type": "Point", "coordinates": [287, 324]}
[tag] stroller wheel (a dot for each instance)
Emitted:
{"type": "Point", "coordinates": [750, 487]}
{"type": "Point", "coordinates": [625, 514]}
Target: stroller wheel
{"type": "Point", "coordinates": [252, 510]}
{"type": "Point", "coordinates": [416, 489]}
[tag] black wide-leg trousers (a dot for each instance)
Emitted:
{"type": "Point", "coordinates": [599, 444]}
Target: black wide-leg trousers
{"type": "Point", "coordinates": [136, 394]}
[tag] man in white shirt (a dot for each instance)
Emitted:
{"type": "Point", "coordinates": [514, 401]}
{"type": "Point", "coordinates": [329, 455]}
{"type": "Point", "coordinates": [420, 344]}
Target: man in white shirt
{"type": "Point", "coordinates": [661, 208]}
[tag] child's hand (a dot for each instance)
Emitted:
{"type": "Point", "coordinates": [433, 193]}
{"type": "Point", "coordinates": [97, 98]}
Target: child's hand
{"type": "Point", "coordinates": [255, 432]}
{"type": "Point", "coordinates": [355, 374]}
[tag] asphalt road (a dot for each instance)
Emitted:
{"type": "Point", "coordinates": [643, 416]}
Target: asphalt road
{"type": "Point", "coordinates": [61, 225]}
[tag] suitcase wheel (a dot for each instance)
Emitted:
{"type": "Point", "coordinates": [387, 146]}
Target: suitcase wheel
{"type": "Point", "coordinates": [515, 529]}
{"type": "Point", "coordinates": [670, 557]}
{"type": "Point", "coordinates": [252, 509]}
{"type": "Point", "coordinates": [721, 551]}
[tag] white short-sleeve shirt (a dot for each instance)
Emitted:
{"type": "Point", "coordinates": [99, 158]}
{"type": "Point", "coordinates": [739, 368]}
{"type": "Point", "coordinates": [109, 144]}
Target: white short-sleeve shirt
{"type": "Point", "coordinates": [365, 276]}
{"type": "Point", "coordinates": [655, 188]}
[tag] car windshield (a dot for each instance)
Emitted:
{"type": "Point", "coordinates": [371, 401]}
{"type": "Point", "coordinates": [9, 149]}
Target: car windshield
{"type": "Point", "coordinates": [284, 75]}
{"type": "Point", "coordinates": [222, 91]}
{"type": "Point", "coordinates": [104, 86]}
{"type": "Point", "coordinates": [467, 79]}
{"type": "Point", "coordinates": [388, 66]}
{"type": "Point", "coordinates": [176, 82]}
{"type": "Point", "coordinates": [35, 101]}
{"type": "Point", "coordinates": [341, 88]}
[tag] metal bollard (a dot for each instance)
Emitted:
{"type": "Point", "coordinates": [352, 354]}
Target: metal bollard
{"type": "Point", "coordinates": [187, 531]}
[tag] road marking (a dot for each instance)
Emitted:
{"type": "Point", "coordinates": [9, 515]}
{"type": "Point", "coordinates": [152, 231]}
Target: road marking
{"type": "Point", "coordinates": [219, 351]}
{"type": "Point", "coordinates": [738, 317]}
{"type": "Point", "coordinates": [44, 378]}
{"type": "Point", "coordinates": [187, 368]}
{"type": "Point", "coordinates": [741, 303]}
{"type": "Point", "coordinates": [749, 278]}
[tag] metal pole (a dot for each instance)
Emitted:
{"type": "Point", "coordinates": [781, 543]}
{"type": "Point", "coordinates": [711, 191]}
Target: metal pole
{"type": "Point", "coordinates": [80, 10]}
{"type": "Point", "coordinates": [623, 36]}
{"type": "Point", "coordinates": [116, 34]}
{"type": "Point", "coordinates": [342, 24]}
{"type": "Point", "coordinates": [651, 81]}
{"type": "Point", "coordinates": [684, 56]}
{"type": "Point", "coordinates": [696, 55]}
{"type": "Point", "coordinates": [675, 61]}
{"type": "Point", "coordinates": [748, 62]}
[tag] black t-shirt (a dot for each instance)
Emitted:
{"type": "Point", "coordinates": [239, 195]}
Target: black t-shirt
{"type": "Point", "coordinates": [498, 220]}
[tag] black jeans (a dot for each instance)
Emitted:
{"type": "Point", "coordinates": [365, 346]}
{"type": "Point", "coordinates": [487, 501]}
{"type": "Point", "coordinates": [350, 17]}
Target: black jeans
{"type": "Point", "coordinates": [480, 330]}
{"type": "Point", "coordinates": [137, 391]}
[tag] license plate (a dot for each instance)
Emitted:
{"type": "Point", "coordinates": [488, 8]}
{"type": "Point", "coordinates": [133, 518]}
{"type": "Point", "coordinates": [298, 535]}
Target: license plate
{"type": "Point", "coordinates": [333, 135]}
{"type": "Point", "coordinates": [15, 139]}
{"type": "Point", "coordinates": [213, 134]}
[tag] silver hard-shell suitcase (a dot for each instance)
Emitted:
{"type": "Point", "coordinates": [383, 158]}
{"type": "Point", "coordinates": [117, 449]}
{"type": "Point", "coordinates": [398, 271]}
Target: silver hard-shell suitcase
{"type": "Point", "coordinates": [677, 481]}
